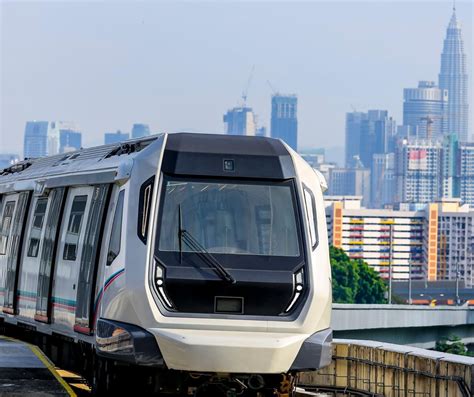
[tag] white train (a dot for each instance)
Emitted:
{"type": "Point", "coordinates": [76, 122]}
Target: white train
{"type": "Point", "coordinates": [199, 260]}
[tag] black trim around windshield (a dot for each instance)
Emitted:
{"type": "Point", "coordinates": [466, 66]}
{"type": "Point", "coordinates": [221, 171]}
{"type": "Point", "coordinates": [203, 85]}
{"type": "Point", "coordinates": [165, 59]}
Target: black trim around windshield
{"type": "Point", "coordinates": [260, 259]}
{"type": "Point", "coordinates": [242, 261]}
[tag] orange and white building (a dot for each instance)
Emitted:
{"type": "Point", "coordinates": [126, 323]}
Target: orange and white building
{"type": "Point", "coordinates": [430, 244]}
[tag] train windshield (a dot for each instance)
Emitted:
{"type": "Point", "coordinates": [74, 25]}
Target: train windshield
{"type": "Point", "coordinates": [230, 218]}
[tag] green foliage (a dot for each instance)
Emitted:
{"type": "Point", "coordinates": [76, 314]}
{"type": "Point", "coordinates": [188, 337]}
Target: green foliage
{"type": "Point", "coordinates": [452, 344]}
{"type": "Point", "coordinates": [353, 281]}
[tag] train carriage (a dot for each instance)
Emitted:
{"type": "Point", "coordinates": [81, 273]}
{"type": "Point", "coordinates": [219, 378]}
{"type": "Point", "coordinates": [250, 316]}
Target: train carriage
{"type": "Point", "coordinates": [199, 260]}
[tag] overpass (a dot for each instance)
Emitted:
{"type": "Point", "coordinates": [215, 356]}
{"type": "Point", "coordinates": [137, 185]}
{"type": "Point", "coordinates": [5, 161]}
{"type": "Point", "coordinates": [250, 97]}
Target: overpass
{"type": "Point", "coordinates": [414, 325]}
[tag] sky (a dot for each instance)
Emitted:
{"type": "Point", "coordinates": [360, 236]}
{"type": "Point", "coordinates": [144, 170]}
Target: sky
{"type": "Point", "coordinates": [179, 66]}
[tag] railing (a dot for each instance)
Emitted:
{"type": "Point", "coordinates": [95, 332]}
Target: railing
{"type": "Point", "coordinates": [381, 369]}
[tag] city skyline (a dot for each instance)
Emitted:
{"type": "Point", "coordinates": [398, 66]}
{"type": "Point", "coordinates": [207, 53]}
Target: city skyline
{"type": "Point", "coordinates": [313, 96]}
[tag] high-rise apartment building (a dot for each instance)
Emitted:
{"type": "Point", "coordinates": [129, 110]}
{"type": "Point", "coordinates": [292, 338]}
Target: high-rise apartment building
{"type": "Point", "coordinates": [458, 170]}
{"type": "Point", "coordinates": [240, 121]}
{"type": "Point", "coordinates": [69, 140]}
{"type": "Point", "coordinates": [43, 138]}
{"type": "Point", "coordinates": [140, 130]}
{"type": "Point", "coordinates": [465, 173]}
{"type": "Point", "coordinates": [424, 109]}
{"type": "Point", "coordinates": [453, 78]}
{"type": "Point", "coordinates": [284, 119]}
{"type": "Point", "coordinates": [115, 137]}
{"type": "Point", "coordinates": [419, 171]}
{"type": "Point", "coordinates": [391, 242]}
{"type": "Point", "coordinates": [432, 243]}
{"type": "Point", "coordinates": [455, 236]}
{"type": "Point", "coordinates": [428, 171]}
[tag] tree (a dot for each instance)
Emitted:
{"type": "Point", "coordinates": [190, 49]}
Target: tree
{"type": "Point", "coordinates": [353, 281]}
{"type": "Point", "coordinates": [453, 345]}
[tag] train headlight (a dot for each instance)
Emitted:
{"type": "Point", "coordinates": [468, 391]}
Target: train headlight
{"type": "Point", "coordinates": [298, 289]}
{"type": "Point", "coordinates": [160, 285]}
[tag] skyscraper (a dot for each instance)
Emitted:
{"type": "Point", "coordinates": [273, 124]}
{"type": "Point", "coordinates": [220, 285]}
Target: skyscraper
{"type": "Point", "coordinates": [115, 137]}
{"type": "Point", "coordinates": [353, 128]}
{"type": "Point", "coordinates": [43, 138]}
{"type": "Point", "coordinates": [240, 121]}
{"type": "Point", "coordinates": [377, 133]}
{"type": "Point", "coordinates": [284, 122]}
{"type": "Point", "coordinates": [425, 107]}
{"type": "Point", "coordinates": [140, 130]}
{"type": "Point", "coordinates": [383, 182]}
{"type": "Point", "coordinates": [453, 77]}
{"type": "Point", "coordinates": [37, 135]}
{"type": "Point", "coordinates": [367, 134]}
{"type": "Point", "coordinates": [69, 140]}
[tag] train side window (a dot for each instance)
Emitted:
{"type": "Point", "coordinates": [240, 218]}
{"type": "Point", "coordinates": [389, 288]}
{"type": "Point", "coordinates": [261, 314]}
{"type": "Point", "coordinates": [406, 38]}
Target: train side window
{"type": "Point", "coordinates": [310, 205]}
{"type": "Point", "coordinates": [146, 192]}
{"type": "Point", "coordinates": [74, 228]}
{"type": "Point", "coordinates": [6, 226]}
{"type": "Point", "coordinates": [36, 228]}
{"type": "Point", "coordinates": [116, 234]}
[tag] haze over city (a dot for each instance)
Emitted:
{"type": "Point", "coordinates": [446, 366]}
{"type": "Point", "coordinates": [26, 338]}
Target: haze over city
{"type": "Point", "coordinates": [105, 66]}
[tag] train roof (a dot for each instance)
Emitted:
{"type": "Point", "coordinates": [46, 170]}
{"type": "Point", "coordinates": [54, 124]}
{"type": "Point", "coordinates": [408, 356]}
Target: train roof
{"type": "Point", "coordinates": [97, 164]}
{"type": "Point", "coordinates": [185, 153]}
{"type": "Point", "coordinates": [250, 156]}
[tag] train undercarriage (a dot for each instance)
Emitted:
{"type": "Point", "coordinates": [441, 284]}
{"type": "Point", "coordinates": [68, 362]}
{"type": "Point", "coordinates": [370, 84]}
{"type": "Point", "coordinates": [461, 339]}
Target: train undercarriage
{"type": "Point", "coordinates": [108, 377]}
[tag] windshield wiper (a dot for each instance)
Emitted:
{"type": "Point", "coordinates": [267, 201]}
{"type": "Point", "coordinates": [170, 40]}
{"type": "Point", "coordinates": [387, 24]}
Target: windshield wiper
{"type": "Point", "coordinates": [203, 253]}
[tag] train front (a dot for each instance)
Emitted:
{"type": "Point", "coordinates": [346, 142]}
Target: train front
{"type": "Point", "coordinates": [239, 280]}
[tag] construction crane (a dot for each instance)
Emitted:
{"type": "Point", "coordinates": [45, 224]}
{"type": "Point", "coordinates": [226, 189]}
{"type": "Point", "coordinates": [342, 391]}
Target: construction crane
{"type": "Point", "coordinates": [247, 86]}
{"type": "Point", "coordinates": [274, 92]}
{"type": "Point", "coordinates": [429, 119]}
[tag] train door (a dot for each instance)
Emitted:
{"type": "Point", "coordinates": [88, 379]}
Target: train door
{"type": "Point", "coordinates": [48, 254]}
{"type": "Point", "coordinates": [90, 258]}
{"type": "Point", "coordinates": [8, 212]}
{"type": "Point", "coordinates": [14, 252]}
{"type": "Point", "coordinates": [30, 260]}
{"type": "Point", "coordinates": [68, 257]}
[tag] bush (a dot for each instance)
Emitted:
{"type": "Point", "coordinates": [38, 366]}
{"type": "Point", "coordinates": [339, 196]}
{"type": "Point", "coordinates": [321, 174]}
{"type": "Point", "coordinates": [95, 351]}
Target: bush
{"type": "Point", "coordinates": [453, 345]}
{"type": "Point", "coordinates": [353, 281]}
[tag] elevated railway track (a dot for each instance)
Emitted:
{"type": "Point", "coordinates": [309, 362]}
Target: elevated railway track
{"type": "Point", "coordinates": [358, 368]}
{"type": "Point", "coordinates": [368, 368]}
